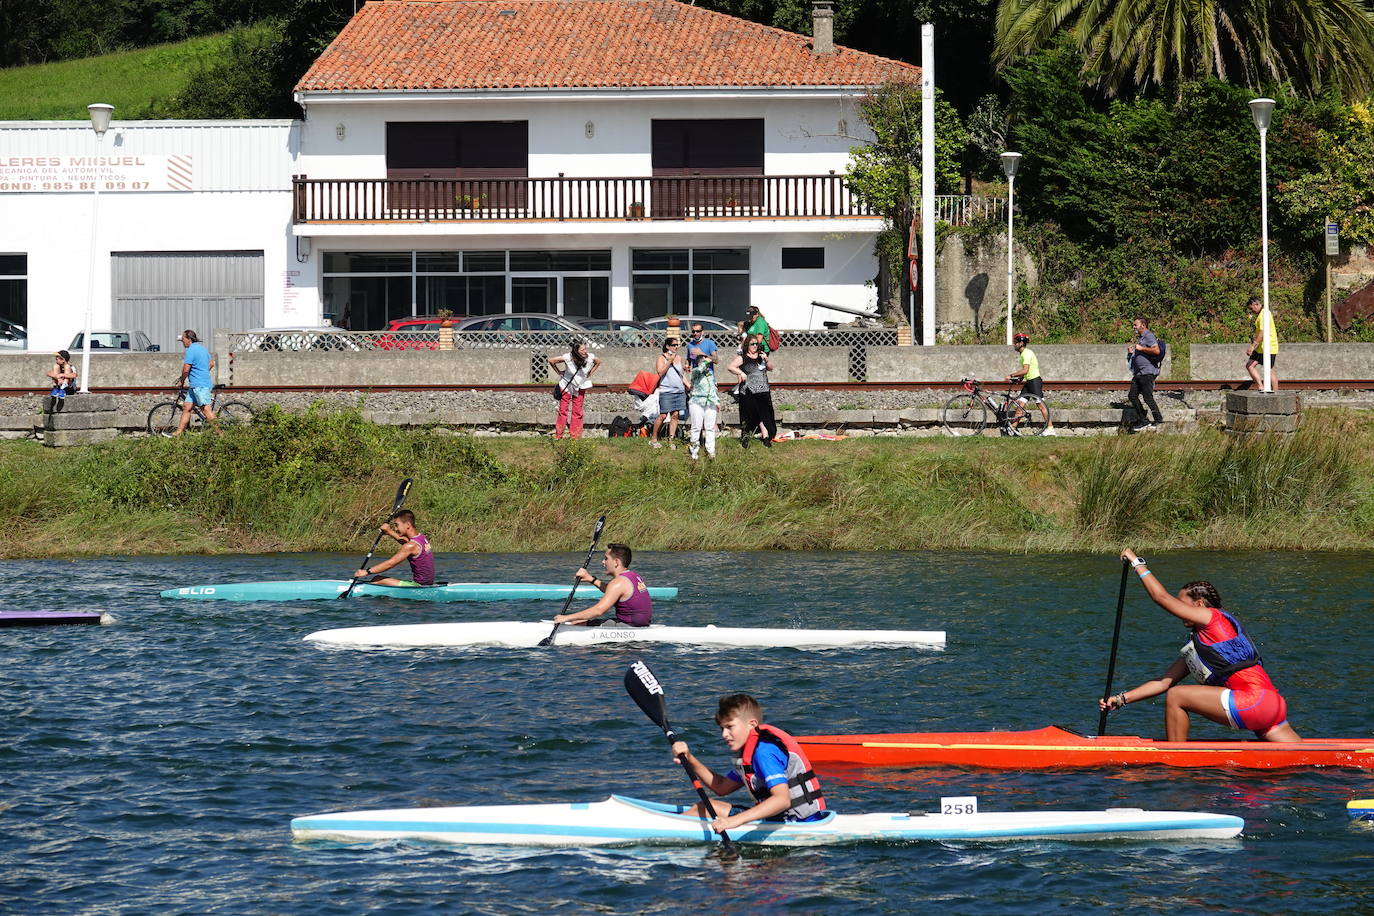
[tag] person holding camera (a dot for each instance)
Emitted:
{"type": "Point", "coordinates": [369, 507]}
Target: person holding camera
{"type": "Point", "coordinates": [1145, 356]}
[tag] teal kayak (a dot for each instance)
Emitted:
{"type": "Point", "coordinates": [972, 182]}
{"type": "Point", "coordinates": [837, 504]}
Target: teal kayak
{"type": "Point", "coordinates": [318, 589]}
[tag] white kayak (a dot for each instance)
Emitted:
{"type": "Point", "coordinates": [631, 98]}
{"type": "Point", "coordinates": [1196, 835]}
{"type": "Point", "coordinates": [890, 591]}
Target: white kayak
{"type": "Point", "coordinates": [628, 821]}
{"type": "Point", "coordinates": [523, 634]}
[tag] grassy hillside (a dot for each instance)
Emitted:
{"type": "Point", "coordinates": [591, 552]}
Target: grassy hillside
{"type": "Point", "coordinates": [134, 82]}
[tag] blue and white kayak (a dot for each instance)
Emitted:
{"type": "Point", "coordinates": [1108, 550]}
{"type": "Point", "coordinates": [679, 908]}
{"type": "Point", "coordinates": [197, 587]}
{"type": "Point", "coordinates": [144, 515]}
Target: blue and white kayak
{"type": "Point", "coordinates": [1361, 809]}
{"type": "Point", "coordinates": [318, 589]}
{"type": "Point", "coordinates": [628, 821]}
{"type": "Point", "coordinates": [526, 634]}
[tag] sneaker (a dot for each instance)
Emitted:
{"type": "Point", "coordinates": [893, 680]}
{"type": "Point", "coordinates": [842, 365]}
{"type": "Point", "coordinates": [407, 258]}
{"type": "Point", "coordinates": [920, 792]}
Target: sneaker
{"type": "Point", "coordinates": [1150, 428]}
{"type": "Point", "coordinates": [743, 440]}
{"type": "Point", "coordinates": [672, 445]}
{"type": "Point", "coordinates": [1050, 431]}
{"type": "Point", "coordinates": [767, 442]}
{"type": "Point", "coordinates": [658, 444]}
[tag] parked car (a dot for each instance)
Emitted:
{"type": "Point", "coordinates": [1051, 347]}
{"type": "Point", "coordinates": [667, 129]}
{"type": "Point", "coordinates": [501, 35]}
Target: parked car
{"type": "Point", "coordinates": [631, 333]}
{"type": "Point", "coordinates": [523, 329]}
{"type": "Point", "coordinates": [309, 337]}
{"type": "Point", "coordinates": [420, 332]}
{"type": "Point", "coordinates": [708, 323]}
{"type": "Point", "coordinates": [114, 342]}
{"type": "Point", "coordinates": [13, 336]}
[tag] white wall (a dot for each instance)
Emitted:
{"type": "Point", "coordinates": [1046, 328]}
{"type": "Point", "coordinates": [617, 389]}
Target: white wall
{"type": "Point", "coordinates": [241, 201]}
{"type": "Point", "coordinates": [801, 135]}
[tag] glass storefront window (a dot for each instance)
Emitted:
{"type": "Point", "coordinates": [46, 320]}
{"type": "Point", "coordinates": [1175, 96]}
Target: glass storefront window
{"type": "Point", "coordinates": [437, 262]}
{"type": "Point", "coordinates": [680, 281]}
{"type": "Point", "coordinates": [367, 303]}
{"type": "Point", "coordinates": [14, 299]}
{"type": "Point", "coordinates": [366, 262]}
{"type": "Point", "coordinates": [599, 259]}
{"type": "Point", "coordinates": [659, 259]}
{"type": "Point", "coordinates": [720, 259]}
{"type": "Point", "coordinates": [587, 297]}
{"type": "Point", "coordinates": [479, 262]}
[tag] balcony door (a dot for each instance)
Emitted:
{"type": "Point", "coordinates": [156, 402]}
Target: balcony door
{"type": "Point", "coordinates": [707, 166]}
{"type": "Point", "coordinates": [443, 165]}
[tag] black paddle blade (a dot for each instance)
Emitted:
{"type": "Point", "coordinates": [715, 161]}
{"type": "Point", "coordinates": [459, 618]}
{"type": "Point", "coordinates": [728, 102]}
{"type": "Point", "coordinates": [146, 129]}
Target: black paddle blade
{"type": "Point", "coordinates": [596, 532]}
{"type": "Point", "coordinates": [401, 492]}
{"type": "Point", "coordinates": [647, 693]}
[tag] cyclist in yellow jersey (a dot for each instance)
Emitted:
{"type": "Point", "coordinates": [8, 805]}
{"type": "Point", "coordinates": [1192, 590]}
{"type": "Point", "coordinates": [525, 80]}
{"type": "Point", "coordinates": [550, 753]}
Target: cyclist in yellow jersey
{"type": "Point", "coordinates": [1260, 348]}
{"type": "Point", "coordinates": [1032, 386]}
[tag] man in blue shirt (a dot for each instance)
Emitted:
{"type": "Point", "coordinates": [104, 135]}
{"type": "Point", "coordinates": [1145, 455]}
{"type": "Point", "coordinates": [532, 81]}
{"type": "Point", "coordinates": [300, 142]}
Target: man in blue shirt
{"type": "Point", "coordinates": [699, 346]}
{"type": "Point", "coordinates": [1145, 358]}
{"type": "Point", "coordinates": [196, 379]}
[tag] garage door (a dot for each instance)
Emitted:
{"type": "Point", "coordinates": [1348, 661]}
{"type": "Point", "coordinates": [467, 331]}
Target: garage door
{"type": "Point", "coordinates": [162, 293]}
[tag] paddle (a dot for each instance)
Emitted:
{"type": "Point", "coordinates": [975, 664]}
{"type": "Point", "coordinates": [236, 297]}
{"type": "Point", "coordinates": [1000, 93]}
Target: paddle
{"type": "Point", "coordinates": [596, 536]}
{"type": "Point", "coordinates": [401, 492]}
{"type": "Point", "coordinates": [1116, 639]}
{"type": "Point", "coordinates": [646, 691]}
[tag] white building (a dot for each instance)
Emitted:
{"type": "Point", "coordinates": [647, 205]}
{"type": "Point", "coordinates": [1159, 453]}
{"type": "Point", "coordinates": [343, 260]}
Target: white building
{"type": "Point", "coordinates": [622, 158]}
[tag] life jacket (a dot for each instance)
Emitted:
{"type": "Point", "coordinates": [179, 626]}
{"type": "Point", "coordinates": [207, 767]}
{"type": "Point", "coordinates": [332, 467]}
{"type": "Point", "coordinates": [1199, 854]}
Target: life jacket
{"type": "Point", "coordinates": [1213, 665]}
{"type": "Point", "coordinates": [803, 788]}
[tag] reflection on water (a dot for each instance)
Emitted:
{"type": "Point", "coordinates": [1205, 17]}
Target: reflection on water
{"type": "Point", "coordinates": [155, 763]}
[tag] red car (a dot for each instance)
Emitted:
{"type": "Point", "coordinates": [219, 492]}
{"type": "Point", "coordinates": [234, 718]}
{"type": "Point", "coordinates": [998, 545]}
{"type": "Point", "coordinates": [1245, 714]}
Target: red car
{"type": "Point", "coordinates": [420, 332]}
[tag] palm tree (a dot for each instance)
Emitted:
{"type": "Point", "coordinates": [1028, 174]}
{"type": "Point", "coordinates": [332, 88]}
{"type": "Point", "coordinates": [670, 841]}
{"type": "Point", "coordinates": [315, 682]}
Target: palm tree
{"type": "Point", "coordinates": [1310, 44]}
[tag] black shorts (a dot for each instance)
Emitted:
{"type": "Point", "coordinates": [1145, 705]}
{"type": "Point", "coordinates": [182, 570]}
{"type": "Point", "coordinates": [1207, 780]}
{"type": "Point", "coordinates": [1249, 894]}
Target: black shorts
{"type": "Point", "coordinates": [1258, 358]}
{"type": "Point", "coordinates": [1033, 388]}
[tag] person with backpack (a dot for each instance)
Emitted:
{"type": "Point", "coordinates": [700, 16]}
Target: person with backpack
{"type": "Point", "coordinates": [1144, 355]}
{"type": "Point", "coordinates": [755, 325]}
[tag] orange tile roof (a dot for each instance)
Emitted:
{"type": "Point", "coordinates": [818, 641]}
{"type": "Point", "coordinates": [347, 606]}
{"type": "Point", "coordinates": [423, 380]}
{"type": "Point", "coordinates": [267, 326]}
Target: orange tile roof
{"type": "Point", "coordinates": [529, 44]}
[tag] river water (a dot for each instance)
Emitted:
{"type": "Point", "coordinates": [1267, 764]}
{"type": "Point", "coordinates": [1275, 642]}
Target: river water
{"type": "Point", "coordinates": [153, 765]}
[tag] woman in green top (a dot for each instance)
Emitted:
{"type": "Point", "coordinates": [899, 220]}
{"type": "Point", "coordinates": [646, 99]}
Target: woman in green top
{"type": "Point", "coordinates": [754, 325]}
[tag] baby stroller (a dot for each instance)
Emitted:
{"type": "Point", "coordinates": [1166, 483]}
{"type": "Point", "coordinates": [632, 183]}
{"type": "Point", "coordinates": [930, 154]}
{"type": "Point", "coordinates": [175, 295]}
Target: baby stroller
{"type": "Point", "coordinates": [644, 390]}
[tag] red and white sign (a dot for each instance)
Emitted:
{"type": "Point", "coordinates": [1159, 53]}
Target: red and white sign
{"type": "Point", "coordinates": [57, 174]}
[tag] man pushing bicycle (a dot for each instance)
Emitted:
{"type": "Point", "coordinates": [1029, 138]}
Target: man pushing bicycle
{"type": "Point", "coordinates": [1032, 385]}
{"type": "Point", "coordinates": [196, 379]}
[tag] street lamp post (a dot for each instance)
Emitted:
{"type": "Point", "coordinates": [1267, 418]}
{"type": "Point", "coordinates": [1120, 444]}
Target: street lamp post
{"type": "Point", "coordinates": [1261, 109]}
{"type": "Point", "coordinates": [1010, 163]}
{"type": "Point", "coordinates": [100, 122]}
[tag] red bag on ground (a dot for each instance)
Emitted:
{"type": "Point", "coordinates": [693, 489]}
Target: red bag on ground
{"type": "Point", "coordinates": [645, 383]}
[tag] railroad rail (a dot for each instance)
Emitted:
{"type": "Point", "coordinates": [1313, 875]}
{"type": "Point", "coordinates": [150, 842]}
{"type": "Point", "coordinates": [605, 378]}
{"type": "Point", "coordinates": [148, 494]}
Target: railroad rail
{"type": "Point", "coordinates": [1162, 385]}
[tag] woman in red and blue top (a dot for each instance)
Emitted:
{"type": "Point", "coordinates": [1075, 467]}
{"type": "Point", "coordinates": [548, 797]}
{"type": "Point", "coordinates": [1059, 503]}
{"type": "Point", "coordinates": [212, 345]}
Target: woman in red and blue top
{"type": "Point", "coordinates": [1235, 689]}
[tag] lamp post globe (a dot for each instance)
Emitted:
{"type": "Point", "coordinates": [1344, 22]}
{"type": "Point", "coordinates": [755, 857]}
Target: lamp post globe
{"type": "Point", "coordinates": [1010, 163]}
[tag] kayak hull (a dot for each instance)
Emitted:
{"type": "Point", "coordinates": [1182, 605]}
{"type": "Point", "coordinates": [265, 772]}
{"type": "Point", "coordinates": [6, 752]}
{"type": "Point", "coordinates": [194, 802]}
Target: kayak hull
{"type": "Point", "coordinates": [622, 821]}
{"type": "Point", "coordinates": [1057, 747]}
{"type": "Point", "coordinates": [1361, 809]}
{"type": "Point", "coordinates": [320, 589]}
{"type": "Point", "coordinates": [521, 634]}
{"type": "Point", "coordinates": [50, 618]}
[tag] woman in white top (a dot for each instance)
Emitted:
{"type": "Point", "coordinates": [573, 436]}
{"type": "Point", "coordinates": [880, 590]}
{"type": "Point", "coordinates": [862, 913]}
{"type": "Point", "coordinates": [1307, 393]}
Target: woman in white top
{"type": "Point", "coordinates": [576, 366]}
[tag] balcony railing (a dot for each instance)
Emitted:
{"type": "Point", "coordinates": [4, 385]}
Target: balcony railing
{"type": "Point", "coordinates": [967, 209]}
{"type": "Point", "coordinates": [373, 200]}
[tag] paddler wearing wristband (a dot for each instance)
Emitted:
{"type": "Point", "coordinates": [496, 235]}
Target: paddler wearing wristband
{"type": "Point", "coordinates": [768, 762]}
{"type": "Point", "coordinates": [414, 547]}
{"type": "Point", "coordinates": [1234, 688]}
{"type": "Point", "coordinates": [624, 590]}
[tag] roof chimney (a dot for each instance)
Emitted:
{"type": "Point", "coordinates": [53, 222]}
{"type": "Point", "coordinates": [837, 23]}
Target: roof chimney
{"type": "Point", "coordinates": [822, 27]}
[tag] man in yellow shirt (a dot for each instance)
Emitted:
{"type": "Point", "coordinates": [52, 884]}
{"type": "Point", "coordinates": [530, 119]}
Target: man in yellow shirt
{"type": "Point", "coordinates": [1262, 349]}
{"type": "Point", "coordinates": [1032, 386]}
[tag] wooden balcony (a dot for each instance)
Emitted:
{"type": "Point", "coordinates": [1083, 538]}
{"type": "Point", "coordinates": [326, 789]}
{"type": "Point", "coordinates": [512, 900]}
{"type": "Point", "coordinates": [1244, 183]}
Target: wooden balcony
{"type": "Point", "coordinates": [382, 200]}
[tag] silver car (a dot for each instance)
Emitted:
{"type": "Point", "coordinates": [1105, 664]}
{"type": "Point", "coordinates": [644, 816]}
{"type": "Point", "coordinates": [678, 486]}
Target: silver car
{"type": "Point", "coordinates": [114, 342]}
{"type": "Point", "coordinates": [13, 336]}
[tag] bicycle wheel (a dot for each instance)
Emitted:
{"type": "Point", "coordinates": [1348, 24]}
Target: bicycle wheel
{"type": "Point", "coordinates": [234, 413]}
{"type": "Point", "coordinates": [1028, 421]}
{"type": "Point", "coordinates": [964, 415]}
{"type": "Point", "coordinates": [162, 419]}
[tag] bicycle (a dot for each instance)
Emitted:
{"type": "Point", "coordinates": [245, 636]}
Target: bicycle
{"type": "Point", "coordinates": [967, 414]}
{"type": "Point", "coordinates": [164, 417]}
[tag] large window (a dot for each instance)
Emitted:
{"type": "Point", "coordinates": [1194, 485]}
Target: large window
{"type": "Point", "coordinates": [14, 300]}
{"type": "Point", "coordinates": [366, 289]}
{"type": "Point", "coordinates": [686, 281]}
{"type": "Point", "coordinates": [457, 149]}
{"type": "Point", "coordinates": [717, 146]}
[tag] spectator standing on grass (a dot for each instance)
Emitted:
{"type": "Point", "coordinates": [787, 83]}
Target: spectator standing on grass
{"type": "Point", "coordinates": [1145, 357]}
{"type": "Point", "coordinates": [576, 366]}
{"type": "Point", "coordinates": [755, 399]}
{"type": "Point", "coordinates": [703, 400]}
{"type": "Point", "coordinates": [196, 379]}
{"type": "Point", "coordinates": [672, 391]}
{"type": "Point", "coordinates": [1262, 347]}
{"type": "Point", "coordinates": [1032, 385]}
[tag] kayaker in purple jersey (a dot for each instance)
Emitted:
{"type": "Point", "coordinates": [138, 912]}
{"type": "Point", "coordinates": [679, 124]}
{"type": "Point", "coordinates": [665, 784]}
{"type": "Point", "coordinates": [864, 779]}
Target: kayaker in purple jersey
{"type": "Point", "coordinates": [414, 547]}
{"type": "Point", "coordinates": [625, 592]}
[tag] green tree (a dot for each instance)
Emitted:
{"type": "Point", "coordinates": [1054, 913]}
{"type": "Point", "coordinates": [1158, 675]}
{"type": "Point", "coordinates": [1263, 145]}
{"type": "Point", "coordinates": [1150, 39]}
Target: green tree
{"type": "Point", "coordinates": [1309, 44]}
{"type": "Point", "coordinates": [885, 174]}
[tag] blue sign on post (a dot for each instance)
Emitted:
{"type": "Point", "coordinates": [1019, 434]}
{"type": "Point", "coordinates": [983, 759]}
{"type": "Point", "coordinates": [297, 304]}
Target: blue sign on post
{"type": "Point", "coordinates": [1333, 239]}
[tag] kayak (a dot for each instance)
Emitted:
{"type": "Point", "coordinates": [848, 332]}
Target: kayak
{"type": "Point", "coordinates": [1361, 809]}
{"type": "Point", "coordinates": [524, 634]}
{"type": "Point", "coordinates": [1059, 747]}
{"type": "Point", "coordinates": [317, 589]}
{"type": "Point", "coordinates": [50, 618]}
{"type": "Point", "coordinates": [628, 821]}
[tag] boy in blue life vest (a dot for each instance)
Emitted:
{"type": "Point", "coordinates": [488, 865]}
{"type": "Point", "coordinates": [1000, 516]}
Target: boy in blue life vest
{"type": "Point", "coordinates": [768, 762]}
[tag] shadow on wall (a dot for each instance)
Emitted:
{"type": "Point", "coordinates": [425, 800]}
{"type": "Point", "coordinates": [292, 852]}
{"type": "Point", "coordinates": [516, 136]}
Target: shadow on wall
{"type": "Point", "coordinates": [974, 292]}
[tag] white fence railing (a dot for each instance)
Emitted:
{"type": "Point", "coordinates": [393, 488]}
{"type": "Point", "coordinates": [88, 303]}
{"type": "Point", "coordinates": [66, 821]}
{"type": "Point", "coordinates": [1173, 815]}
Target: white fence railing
{"type": "Point", "coordinates": [966, 209]}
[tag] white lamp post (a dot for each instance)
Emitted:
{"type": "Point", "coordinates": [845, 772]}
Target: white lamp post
{"type": "Point", "coordinates": [100, 122]}
{"type": "Point", "coordinates": [1010, 163]}
{"type": "Point", "coordinates": [1261, 109]}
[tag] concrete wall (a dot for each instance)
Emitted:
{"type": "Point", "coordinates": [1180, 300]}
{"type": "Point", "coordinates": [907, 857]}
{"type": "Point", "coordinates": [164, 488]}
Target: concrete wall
{"type": "Point", "coordinates": [1295, 360]}
{"type": "Point", "coordinates": [1077, 362]}
{"type": "Point", "coordinates": [116, 370]}
{"type": "Point", "coordinates": [971, 282]}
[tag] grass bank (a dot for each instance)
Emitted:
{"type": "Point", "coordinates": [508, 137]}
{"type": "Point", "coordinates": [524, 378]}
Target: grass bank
{"type": "Point", "coordinates": [136, 83]}
{"type": "Point", "coordinates": [317, 481]}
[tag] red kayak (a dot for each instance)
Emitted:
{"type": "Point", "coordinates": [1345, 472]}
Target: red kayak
{"type": "Point", "coordinates": [1058, 747]}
